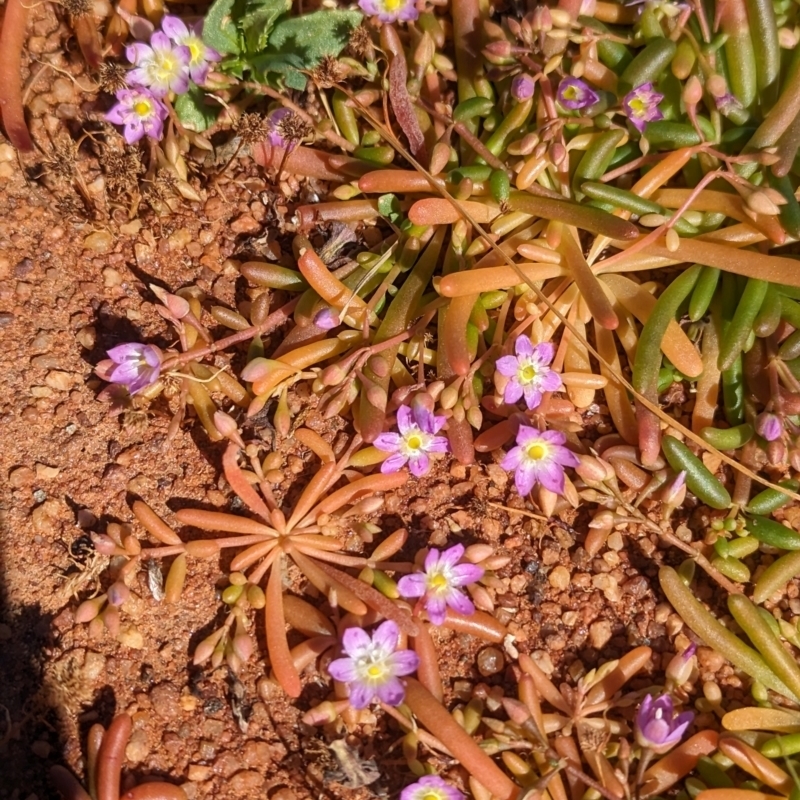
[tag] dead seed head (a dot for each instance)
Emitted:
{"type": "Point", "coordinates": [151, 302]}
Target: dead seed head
{"type": "Point", "coordinates": [360, 43]}
{"type": "Point", "coordinates": [111, 76]}
{"type": "Point", "coordinates": [329, 72]}
{"type": "Point", "coordinates": [293, 128]}
{"type": "Point", "coordinates": [252, 128]}
{"type": "Point", "coordinates": [77, 8]}
{"type": "Point", "coordinates": [122, 169]}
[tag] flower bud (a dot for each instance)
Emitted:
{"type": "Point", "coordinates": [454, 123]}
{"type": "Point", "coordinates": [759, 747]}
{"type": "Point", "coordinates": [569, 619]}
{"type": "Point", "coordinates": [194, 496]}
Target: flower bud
{"type": "Point", "coordinates": [769, 426]}
{"type": "Point", "coordinates": [227, 426]}
{"type": "Point", "coordinates": [326, 319]}
{"type": "Point", "coordinates": [679, 670]}
{"type": "Point", "coordinates": [522, 87]}
{"type": "Point", "coordinates": [674, 493]}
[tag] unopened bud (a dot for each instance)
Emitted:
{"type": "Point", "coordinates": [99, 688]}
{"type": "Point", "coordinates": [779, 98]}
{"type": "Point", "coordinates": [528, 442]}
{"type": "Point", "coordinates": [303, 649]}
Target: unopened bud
{"type": "Point", "coordinates": [440, 156]}
{"type": "Point", "coordinates": [522, 87]}
{"type": "Point", "coordinates": [717, 86]}
{"type": "Point", "coordinates": [680, 668]}
{"type": "Point", "coordinates": [776, 452]}
{"type": "Point", "coordinates": [760, 203]}
{"type": "Point", "coordinates": [558, 153]}
{"type": "Point", "coordinates": [693, 91]}
{"type": "Point", "coordinates": [227, 426]}
{"type": "Point", "coordinates": [594, 470]}
{"type": "Point", "coordinates": [674, 493]}
{"type": "Point", "coordinates": [498, 49]}
{"type": "Point", "coordinates": [425, 51]}
{"type": "Point", "coordinates": [118, 593]}
{"type": "Point", "coordinates": [769, 426]}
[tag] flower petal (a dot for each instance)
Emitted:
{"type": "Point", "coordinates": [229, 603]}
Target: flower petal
{"type": "Point", "coordinates": [355, 642]}
{"type": "Point", "coordinates": [388, 442]}
{"type": "Point", "coordinates": [404, 662]}
{"type": "Point", "coordinates": [386, 636]}
{"type": "Point", "coordinates": [405, 419]}
{"type": "Point", "coordinates": [466, 573]}
{"type": "Point", "coordinates": [507, 365]}
{"type": "Point", "coordinates": [392, 692]}
{"type": "Point", "coordinates": [394, 463]}
{"type": "Point", "coordinates": [361, 695]}
{"type": "Point", "coordinates": [523, 347]}
{"type": "Point", "coordinates": [412, 585]}
{"type": "Point", "coordinates": [459, 602]}
{"type": "Point", "coordinates": [437, 609]}
{"type": "Point", "coordinates": [420, 465]}
{"type": "Point", "coordinates": [343, 669]}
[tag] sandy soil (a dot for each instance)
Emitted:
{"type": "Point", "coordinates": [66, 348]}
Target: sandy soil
{"type": "Point", "coordinates": [74, 284]}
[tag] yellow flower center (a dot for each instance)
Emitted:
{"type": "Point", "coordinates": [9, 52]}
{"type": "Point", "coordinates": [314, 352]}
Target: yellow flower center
{"type": "Point", "coordinates": [414, 442]}
{"type": "Point", "coordinates": [392, 5]}
{"type": "Point", "coordinates": [438, 582]}
{"type": "Point", "coordinates": [142, 108]}
{"type": "Point", "coordinates": [536, 452]}
{"type": "Point", "coordinates": [431, 794]}
{"type": "Point", "coordinates": [570, 93]}
{"type": "Point", "coordinates": [527, 374]}
{"type": "Point", "coordinates": [638, 107]}
{"type": "Point", "coordinates": [194, 50]}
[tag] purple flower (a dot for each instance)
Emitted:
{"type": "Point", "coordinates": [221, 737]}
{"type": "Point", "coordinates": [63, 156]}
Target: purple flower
{"type": "Point", "coordinates": [161, 66]}
{"type": "Point", "coordinates": [134, 365]}
{"type": "Point", "coordinates": [539, 457]}
{"type": "Point", "coordinates": [769, 426]}
{"type": "Point", "coordinates": [417, 438]}
{"type": "Point", "coordinates": [439, 583]}
{"type": "Point", "coordinates": [657, 727]}
{"type": "Point", "coordinates": [201, 56]}
{"type": "Point", "coordinates": [641, 105]}
{"type": "Point", "coordinates": [674, 492]}
{"type": "Point", "coordinates": [573, 94]}
{"type": "Point", "coordinates": [522, 87]}
{"type": "Point", "coordinates": [140, 112]}
{"type": "Point", "coordinates": [390, 10]}
{"type": "Point", "coordinates": [431, 787]}
{"type": "Point", "coordinates": [374, 665]}
{"type": "Point", "coordinates": [528, 372]}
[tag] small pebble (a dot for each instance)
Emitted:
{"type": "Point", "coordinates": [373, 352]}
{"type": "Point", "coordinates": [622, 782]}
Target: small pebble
{"type": "Point", "coordinates": [600, 633]}
{"type": "Point", "coordinates": [559, 578]}
{"type": "Point", "coordinates": [490, 661]}
{"type": "Point", "coordinates": [59, 380]}
{"type": "Point", "coordinates": [227, 764]}
{"type": "Point", "coordinates": [99, 242]}
{"type": "Point", "coordinates": [166, 700]}
{"type": "Point", "coordinates": [111, 278]}
{"type": "Point", "coordinates": [137, 749]}
{"type": "Point", "coordinates": [246, 783]}
{"type": "Point", "coordinates": [21, 476]}
{"type": "Point", "coordinates": [44, 472]}
{"type": "Point", "coordinates": [199, 772]}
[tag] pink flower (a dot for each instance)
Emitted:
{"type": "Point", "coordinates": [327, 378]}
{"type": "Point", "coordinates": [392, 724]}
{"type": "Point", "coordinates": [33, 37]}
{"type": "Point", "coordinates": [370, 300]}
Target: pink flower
{"type": "Point", "coordinates": [574, 94]}
{"type": "Point", "coordinates": [657, 727]}
{"type": "Point", "coordinates": [374, 665]}
{"type": "Point", "coordinates": [528, 372]}
{"type": "Point", "coordinates": [390, 10]}
{"type": "Point", "coordinates": [201, 56]}
{"type": "Point", "coordinates": [161, 66]}
{"type": "Point", "coordinates": [134, 365]}
{"type": "Point", "coordinates": [141, 112]}
{"type": "Point", "coordinates": [440, 583]}
{"type": "Point", "coordinates": [641, 106]}
{"type": "Point", "coordinates": [417, 438]}
{"type": "Point", "coordinates": [539, 457]}
{"type": "Point", "coordinates": [431, 787]}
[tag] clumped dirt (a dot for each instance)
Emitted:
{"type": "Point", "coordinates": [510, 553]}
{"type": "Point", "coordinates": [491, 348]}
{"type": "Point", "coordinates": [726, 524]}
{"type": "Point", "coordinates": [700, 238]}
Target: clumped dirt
{"type": "Point", "coordinates": [69, 290]}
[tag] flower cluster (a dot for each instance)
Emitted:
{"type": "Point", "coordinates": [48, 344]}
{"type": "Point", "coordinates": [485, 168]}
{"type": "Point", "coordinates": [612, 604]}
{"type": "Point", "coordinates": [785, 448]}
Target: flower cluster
{"type": "Point", "coordinates": [175, 55]}
{"type": "Point", "coordinates": [439, 585]}
{"type": "Point", "coordinates": [373, 666]}
{"type": "Point", "coordinates": [431, 787]}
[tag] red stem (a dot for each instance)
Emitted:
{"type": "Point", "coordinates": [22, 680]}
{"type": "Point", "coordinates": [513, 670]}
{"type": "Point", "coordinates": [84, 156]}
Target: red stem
{"type": "Point", "coordinates": [12, 39]}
